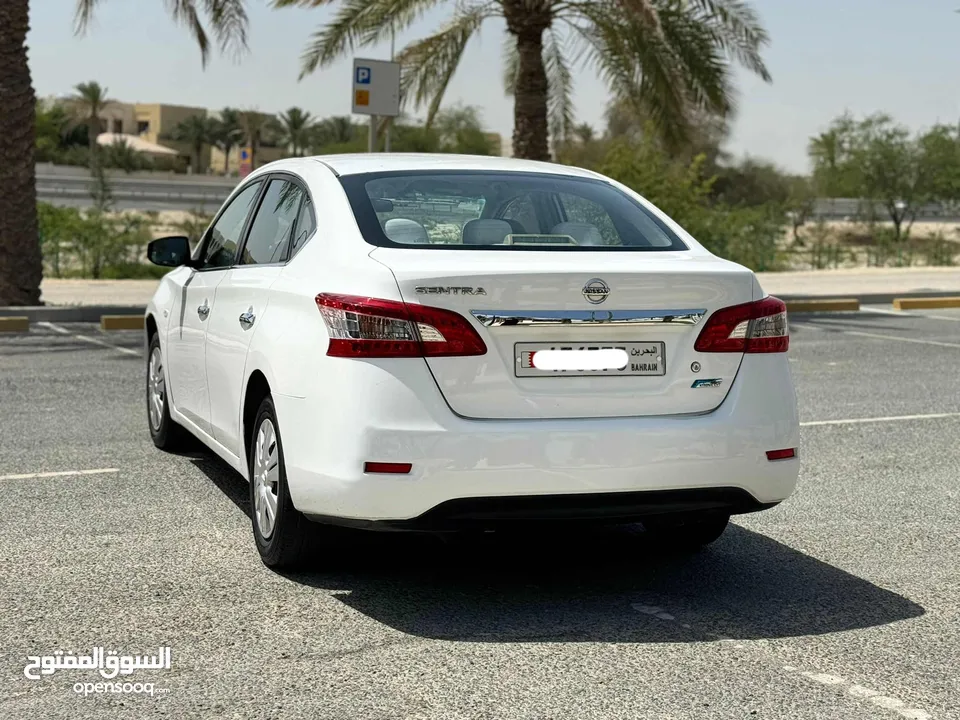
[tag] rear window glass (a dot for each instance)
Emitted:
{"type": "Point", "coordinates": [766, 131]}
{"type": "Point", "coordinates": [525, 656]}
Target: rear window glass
{"type": "Point", "coordinates": [474, 210]}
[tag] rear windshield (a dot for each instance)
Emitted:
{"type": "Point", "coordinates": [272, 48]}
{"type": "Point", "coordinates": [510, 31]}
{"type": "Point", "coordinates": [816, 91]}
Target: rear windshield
{"type": "Point", "coordinates": [474, 210]}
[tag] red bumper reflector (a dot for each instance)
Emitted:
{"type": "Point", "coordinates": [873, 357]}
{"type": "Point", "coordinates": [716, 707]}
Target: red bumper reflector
{"type": "Point", "coordinates": [392, 468]}
{"type": "Point", "coordinates": [781, 454]}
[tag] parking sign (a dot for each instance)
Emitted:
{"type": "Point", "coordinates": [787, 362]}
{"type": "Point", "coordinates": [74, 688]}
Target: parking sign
{"type": "Point", "coordinates": [376, 87]}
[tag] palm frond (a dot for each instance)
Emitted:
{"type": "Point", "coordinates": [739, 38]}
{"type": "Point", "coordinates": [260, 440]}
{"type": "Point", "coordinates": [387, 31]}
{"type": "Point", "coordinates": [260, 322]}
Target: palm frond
{"type": "Point", "coordinates": [228, 18]}
{"type": "Point", "coordinates": [229, 21]}
{"type": "Point", "coordinates": [511, 64]}
{"type": "Point", "coordinates": [737, 29]}
{"type": "Point", "coordinates": [560, 86]}
{"type": "Point", "coordinates": [358, 23]}
{"type": "Point", "coordinates": [429, 64]}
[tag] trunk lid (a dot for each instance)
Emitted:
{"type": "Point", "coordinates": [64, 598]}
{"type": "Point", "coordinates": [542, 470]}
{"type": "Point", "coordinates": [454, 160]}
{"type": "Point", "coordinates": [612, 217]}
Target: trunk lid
{"type": "Point", "coordinates": [523, 302]}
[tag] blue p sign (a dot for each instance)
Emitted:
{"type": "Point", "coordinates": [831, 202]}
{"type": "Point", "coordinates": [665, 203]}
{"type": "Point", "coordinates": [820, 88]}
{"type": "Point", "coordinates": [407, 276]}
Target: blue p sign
{"type": "Point", "coordinates": [363, 75]}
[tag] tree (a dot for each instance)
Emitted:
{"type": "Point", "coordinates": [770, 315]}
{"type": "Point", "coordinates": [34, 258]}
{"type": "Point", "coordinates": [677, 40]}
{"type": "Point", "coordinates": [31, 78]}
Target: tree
{"type": "Point", "coordinates": [254, 125]}
{"type": "Point", "coordinates": [458, 130]}
{"type": "Point", "coordinates": [227, 134]}
{"type": "Point", "coordinates": [21, 268]}
{"type": "Point", "coordinates": [197, 131]}
{"type": "Point", "coordinates": [667, 57]}
{"type": "Point", "coordinates": [295, 130]}
{"type": "Point", "coordinates": [86, 105]}
{"type": "Point", "coordinates": [879, 162]}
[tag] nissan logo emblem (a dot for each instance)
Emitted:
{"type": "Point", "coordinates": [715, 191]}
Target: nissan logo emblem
{"type": "Point", "coordinates": [596, 291]}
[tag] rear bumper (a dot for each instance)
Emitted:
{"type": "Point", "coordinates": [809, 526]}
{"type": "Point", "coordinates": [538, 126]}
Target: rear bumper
{"type": "Point", "coordinates": [465, 471]}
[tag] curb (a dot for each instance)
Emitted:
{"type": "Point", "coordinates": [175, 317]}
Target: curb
{"type": "Point", "coordinates": [872, 298]}
{"type": "Point", "coordinates": [14, 323]}
{"type": "Point", "coordinates": [830, 305]}
{"type": "Point", "coordinates": [78, 313]}
{"type": "Point", "coordinates": [907, 303]}
{"type": "Point", "coordinates": [121, 322]}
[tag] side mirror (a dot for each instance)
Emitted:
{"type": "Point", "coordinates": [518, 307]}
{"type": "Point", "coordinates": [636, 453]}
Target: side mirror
{"type": "Point", "coordinates": [169, 251]}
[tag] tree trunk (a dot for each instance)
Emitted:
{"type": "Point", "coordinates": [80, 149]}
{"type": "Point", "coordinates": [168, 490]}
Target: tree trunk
{"type": "Point", "coordinates": [21, 266]}
{"type": "Point", "coordinates": [227, 147]}
{"type": "Point", "coordinates": [530, 130]}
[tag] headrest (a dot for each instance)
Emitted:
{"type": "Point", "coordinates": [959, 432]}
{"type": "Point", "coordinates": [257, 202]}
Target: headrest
{"type": "Point", "coordinates": [406, 231]}
{"type": "Point", "coordinates": [583, 233]}
{"type": "Point", "coordinates": [486, 232]}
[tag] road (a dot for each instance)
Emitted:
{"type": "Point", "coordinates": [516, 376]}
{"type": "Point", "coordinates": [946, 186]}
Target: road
{"type": "Point", "coordinates": [842, 603]}
{"type": "Point", "coordinates": [70, 186]}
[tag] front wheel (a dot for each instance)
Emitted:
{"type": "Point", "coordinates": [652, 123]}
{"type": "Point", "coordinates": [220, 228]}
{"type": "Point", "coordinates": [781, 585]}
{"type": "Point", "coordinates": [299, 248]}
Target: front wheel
{"type": "Point", "coordinates": [164, 432]}
{"type": "Point", "coordinates": [283, 535]}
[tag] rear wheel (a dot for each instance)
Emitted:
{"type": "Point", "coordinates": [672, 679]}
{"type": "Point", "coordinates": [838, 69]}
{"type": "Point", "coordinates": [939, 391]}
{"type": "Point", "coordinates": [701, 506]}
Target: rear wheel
{"type": "Point", "coordinates": [164, 432]}
{"type": "Point", "coordinates": [283, 535]}
{"type": "Point", "coordinates": [687, 533]}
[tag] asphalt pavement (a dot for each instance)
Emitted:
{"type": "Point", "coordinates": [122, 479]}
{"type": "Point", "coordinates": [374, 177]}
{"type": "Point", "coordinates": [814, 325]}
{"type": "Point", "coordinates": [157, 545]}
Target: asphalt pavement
{"type": "Point", "coordinates": [843, 602]}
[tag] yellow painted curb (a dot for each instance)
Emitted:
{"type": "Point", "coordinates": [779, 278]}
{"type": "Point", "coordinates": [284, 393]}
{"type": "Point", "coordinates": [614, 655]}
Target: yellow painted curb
{"type": "Point", "coordinates": [926, 303]}
{"type": "Point", "coordinates": [121, 322]}
{"type": "Point", "coordinates": [832, 305]}
{"type": "Point", "coordinates": [14, 324]}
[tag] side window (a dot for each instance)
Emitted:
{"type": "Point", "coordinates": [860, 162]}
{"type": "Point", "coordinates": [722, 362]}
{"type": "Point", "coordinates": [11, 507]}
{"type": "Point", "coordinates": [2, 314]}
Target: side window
{"type": "Point", "coordinates": [273, 225]}
{"type": "Point", "coordinates": [223, 238]}
{"type": "Point", "coordinates": [580, 210]}
{"type": "Point", "coordinates": [306, 224]}
{"type": "Point", "coordinates": [522, 215]}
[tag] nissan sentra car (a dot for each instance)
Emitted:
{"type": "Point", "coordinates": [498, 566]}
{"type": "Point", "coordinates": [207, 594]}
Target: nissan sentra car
{"type": "Point", "coordinates": [445, 343]}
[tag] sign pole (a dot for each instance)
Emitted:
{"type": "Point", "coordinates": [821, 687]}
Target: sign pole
{"type": "Point", "coordinates": [386, 139]}
{"type": "Point", "coordinates": [372, 135]}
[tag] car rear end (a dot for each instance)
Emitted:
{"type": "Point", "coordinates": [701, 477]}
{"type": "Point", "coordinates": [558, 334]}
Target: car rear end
{"type": "Point", "coordinates": [573, 358]}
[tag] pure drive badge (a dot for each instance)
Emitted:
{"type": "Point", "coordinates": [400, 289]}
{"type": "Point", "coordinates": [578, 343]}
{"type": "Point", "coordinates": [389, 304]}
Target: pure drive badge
{"type": "Point", "coordinates": [450, 290]}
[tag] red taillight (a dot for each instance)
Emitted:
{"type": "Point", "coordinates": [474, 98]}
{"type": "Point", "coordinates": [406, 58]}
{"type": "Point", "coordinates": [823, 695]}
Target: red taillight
{"type": "Point", "coordinates": [754, 327]}
{"type": "Point", "coordinates": [785, 454]}
{"type": "Point", "coordinates": [370, 327]}
{"type": "Point", "coordinates": [387, 468]}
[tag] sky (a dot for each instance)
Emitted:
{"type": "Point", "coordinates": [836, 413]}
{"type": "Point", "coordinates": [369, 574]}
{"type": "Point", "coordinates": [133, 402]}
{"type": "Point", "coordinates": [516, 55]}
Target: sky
{"type": "Point", "coordinates": [826, 57]}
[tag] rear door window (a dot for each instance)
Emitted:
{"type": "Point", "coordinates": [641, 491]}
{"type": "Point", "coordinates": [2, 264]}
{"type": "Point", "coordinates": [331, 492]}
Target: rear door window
{"type": "Point", "coordinates": [273, 225]}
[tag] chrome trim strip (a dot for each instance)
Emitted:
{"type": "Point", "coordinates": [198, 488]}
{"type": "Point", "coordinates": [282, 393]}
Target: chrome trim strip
{"type": "Point", "coordinates": [549, 318]}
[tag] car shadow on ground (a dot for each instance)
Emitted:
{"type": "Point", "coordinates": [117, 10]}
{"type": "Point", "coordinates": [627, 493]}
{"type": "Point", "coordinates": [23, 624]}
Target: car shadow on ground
{"type": "Point", "coordinates": [580, 584]}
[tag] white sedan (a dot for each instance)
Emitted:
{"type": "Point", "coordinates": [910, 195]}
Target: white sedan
{"type": "Point", "coordinates": [436, 342]}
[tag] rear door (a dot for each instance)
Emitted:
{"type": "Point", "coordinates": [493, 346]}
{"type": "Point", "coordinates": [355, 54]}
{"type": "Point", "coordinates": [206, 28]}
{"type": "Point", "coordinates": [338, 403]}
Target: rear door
{"type": "Point", "coordinates": [649, 305]}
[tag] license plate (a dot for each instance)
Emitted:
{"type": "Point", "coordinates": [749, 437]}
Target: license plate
{"type": "Point", "coordinates": [586, 359]}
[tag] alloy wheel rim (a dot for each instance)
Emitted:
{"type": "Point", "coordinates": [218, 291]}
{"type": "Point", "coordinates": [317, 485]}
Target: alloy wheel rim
{"type": "Point", "coordinates": [156, 389]}
{"type": "Point", "coordinates": [266, 478]}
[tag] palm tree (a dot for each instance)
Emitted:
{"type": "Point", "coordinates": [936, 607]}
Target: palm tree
{"type": "Point", "coordinates": [295, 130]}
{"type": "Point", "coordinates": [196, 131]}
{"type": "Point", "coordinates": [668, 57]}
{"type": "Point", "coordinates": [227, 134]}
{"type": "Point", "coordinates": [254, 125]}
{"type": "Point", "coordinates": [21, 268]}
{"type": "Point", "coordinates": [87, 104]}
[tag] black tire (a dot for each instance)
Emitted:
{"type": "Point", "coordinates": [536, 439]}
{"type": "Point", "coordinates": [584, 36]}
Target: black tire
{"type": "Point", "coordinates": [164, 432]}
{"type": "Point", "coordinates": [293, 539]}
{"type": "Point", "coordinates": [687, 533]}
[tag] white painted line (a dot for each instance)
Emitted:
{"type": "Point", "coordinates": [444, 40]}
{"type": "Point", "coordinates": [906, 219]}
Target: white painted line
{"type": "Point", "coordinates": [88, 339]}
{"type": "Point", "coordinates": [61, 473]}
{"type": "Point", "coordinates": [897, 338]}
{"type": "Point", "coordinates": [881, 311]}
{"type": "Point", "coordinates": [890, 418]}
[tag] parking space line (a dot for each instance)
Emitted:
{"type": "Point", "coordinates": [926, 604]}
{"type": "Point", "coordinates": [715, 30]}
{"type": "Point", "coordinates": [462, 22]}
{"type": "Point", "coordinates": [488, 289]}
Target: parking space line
{"type": "Point", "coordinates": [60, 473]}
{"type": "Point", "coordinates": [899, 338]}
{"type": "Point", "coordinates": [889, 418]}
{"type": "Point", "coordinates": [88, 339]}
{"type": "Point", "coordinates": [906, 313]}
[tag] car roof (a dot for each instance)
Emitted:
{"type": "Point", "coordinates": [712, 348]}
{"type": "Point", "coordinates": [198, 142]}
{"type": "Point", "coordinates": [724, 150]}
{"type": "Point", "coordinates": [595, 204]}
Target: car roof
{"type": "Point", "coordinates": [358, 163]}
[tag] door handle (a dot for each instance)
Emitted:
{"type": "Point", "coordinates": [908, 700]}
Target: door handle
{"type": "Point", "coordinates": [247, 318]}
{"type": "Point", "coordinates": [203, 311]}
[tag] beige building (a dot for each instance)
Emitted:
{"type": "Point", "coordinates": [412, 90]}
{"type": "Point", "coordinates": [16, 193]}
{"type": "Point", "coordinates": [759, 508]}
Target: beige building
{"type": "Point", "coordinates": [155, 123]}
